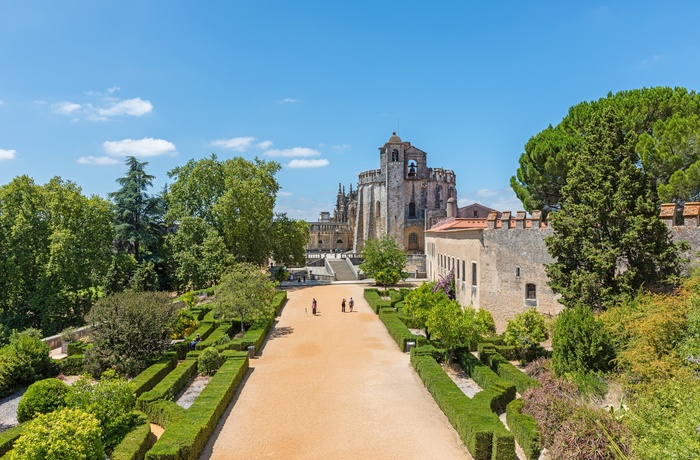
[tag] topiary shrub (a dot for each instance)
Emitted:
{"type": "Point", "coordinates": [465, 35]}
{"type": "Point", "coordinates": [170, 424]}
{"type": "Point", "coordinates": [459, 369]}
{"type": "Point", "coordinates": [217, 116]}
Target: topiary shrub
{"type": "Point", "coordinates": [45, 437]}
{"type": "Point", "coordinates": [580, 343]}
{"type": "Point", "coordinates": [208, 361]}
{"type": "Point", "coordinates": [525, 332]}
{"type": "Point", "coordinates": [41, 397]}
{"type": "Point", "coordinates": [485, 322]}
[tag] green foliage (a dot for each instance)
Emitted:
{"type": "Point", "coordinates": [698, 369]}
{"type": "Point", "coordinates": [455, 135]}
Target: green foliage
{"type": "Point", "coordinates": [664, 419]}
{"type": "Point", "coordinates": [24, 360]}
{"type": "Point", "coordinates": [111, 401]}
{"type": "Point", "coordinates": [374, 299]}
{"type": "Point", "coordinates": [290, 239]}
{"type": "Point", "coordinates": [185, 324]}
{"type": "Point", "coordinates": [169, 386]}
{"type": "Point", "coordinates": [42, 397]}
{"type": "Point", "coordinates": [525, 332]}
{"type": "Point", "coordinates": [485, 322]}
{"type": "Point", "coordinates": [119, 273]}
{"type": "Point", "coordinates": [197, 253]}
{"type": "Point", "coordinates": [453, 325]}
{"type": "Point", "coordinates": [418, 302]}
{"type": "Point", "coordinates": [524, 429]}
{"type": "Point", "coordinates": [55, 248]}
{"type": "Point", "coordinates": [66, 434]}
{"type": "Point", "coordinates": [504, 369]}
{"type": "Point", "coordinates": [281, 274]}
{"type": "Point", "coordinates": [580, 343]}
{"type": "Point", "coordinates": [398, 330]}
{"type": "Point", "coordinates": [136, 443]}
{"type": "Point", "coordinates": [245, 293]}
{"type": "Point", "coordinates": [607, 220]}
{"type": "Point", "coordinates": [145, 277]}
{"type": "Point", "coordinates": [387, 277]}
{"type": "Point", "coordinates": [190, 299]}
{"type": "Point", "coordinates": [150, 377]}
{"type": "Point", "coordinates": [383, 255]}
{"type": "Point", "coordinates": [663, 128]}
{"type": "Point", "coordinates": [235, 196]}
{"type": "Point", "coordinates": [208, 361]}
{"type": "Point", "coordinates": [129, 330]}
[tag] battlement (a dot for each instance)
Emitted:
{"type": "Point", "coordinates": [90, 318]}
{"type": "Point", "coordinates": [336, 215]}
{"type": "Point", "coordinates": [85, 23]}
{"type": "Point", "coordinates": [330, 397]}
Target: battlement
{"type": "Point", "coordinates": [519, 221]}
{"type": "Point", "coordinates": [368, 177]}
{"type": "Point", "coordinates": [440, 174]}
{"type": "Point", "coordinates": [676, 215]}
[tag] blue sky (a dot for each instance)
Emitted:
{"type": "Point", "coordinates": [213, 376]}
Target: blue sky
{"type": "Point", "coordinates": [316, 86]}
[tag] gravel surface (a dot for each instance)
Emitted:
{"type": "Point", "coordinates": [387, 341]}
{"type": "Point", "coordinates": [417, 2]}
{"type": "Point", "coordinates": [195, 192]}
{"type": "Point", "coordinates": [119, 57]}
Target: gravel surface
{"type": "Point", "coordinates": [192, 390]}
{"type": "Point", "coordinates": [465, 383]}
{"type": "Point", "coordinates": [8, 410]}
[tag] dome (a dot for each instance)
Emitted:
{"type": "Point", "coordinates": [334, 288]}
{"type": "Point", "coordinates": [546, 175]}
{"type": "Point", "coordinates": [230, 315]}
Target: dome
{"type": "Point", "coordinates": [394, 139]}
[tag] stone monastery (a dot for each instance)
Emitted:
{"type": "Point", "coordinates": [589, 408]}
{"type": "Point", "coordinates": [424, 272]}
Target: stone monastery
{"type": "Point", "coordinates": [497, 258]}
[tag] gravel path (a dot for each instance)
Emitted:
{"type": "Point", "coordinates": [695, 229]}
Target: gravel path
{"type": "Point", "coordinates": [192, 390]}
{"type": "Point", "coordinates": [8, 410]}
{"type": "Point", "coordinates": [332, 386]}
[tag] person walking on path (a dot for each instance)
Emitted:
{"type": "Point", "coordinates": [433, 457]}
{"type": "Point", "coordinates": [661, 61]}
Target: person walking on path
{"type": "Point", "coordinates": [351, 303]}
{"type": "Point", "coordinates": [313, 306]}
{"type": "Point", "coordinates": [343, 306]}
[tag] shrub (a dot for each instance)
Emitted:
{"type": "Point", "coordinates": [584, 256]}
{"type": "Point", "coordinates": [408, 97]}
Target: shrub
{"type": "Point", "coordinates": [137, 442]}
{"type": "Point", "coordinates": [169, 386]}
{"type": "Point", "coordinates": [71, 365]}
{"type": "Point", "coordinates": [583, 436]}
{"type": "Point", "coordinates": [25, 360]}
{"type": "Point", "coordinates": [185, 324]}
{"type": "Point", "coordinates": [209, 361]}
{"type": "Point", "coordinates": [42, 397]}
{"type": "Point", "coordinates": [580, 343]}
{"type": "Point", "coordinates": [110, 401]}
{"type": "Point", "coordinates": [45, 437]}
{"type": "Point", "coordinates": [525, 332]}
{"type": "Point", "coordinates": [485, 321]}
{"type": "Point", "coordinates": [190, 299]}
{"type": "Point", "coordinates": [154, 373]}
{"type": "Point", "coordinates": [524, 429]}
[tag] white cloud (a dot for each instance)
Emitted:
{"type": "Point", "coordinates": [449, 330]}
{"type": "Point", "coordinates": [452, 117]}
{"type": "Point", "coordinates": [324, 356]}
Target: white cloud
{"type": "Point", "coordinates": [264, 145]}
{"type": "Point", "coordinates": [296, 163]}
{"type": "Point", "coordinates": [2, 102]}
{"type": "Point", "coordinates": [288, 100]}
{"type": "Point", "coordinates": [341, 147]}
{"type": "Point", "coordinates": [7, 154]}
{"type": "Point", "coordinates": [303, 152]}
{"type": "Point", "coordinates": [91, 160]}
{"type": "Point", "coordinates": [237, 144]}
{"type": "Point", "coordinates": [146, 147]}
{"type": "Point", "coordinates": [135, 107]}
{"type": "Point", "coordinates": [65, 108]}
{"type": "Point", "coordinates": [284, 194]}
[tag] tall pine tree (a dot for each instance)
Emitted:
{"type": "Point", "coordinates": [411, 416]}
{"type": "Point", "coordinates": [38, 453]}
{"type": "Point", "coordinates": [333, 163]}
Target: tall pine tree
{"type": "Point", "coordinates": [608, 240]}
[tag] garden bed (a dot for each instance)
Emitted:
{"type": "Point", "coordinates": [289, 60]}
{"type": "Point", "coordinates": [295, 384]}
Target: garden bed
{"type": "Point", "coordinates": [465, 383]}
{"type": "Point", "coordinates": [192, 390]}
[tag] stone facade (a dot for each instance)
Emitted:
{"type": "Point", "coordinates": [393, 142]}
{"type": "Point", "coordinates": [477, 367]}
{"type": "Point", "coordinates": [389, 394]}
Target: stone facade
{"type": "Point", "coordinates": [401, 199]}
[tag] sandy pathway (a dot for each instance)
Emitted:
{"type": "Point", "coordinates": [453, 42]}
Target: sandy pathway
{"type": "Point", "coordinates": [334, 386]}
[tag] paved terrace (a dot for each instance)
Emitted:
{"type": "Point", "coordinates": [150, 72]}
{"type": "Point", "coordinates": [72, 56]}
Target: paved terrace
{"type": "Point", "coordinates": [332, 386]}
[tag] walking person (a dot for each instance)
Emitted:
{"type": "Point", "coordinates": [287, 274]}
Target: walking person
{"type": "Point", "coordinates": [343, 306]}
{"type": "Point", "coordinates": [351, 303]}
{"type": "Point", "coordinates": [313, 306]}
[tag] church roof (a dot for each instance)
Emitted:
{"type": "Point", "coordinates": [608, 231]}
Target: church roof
{"type": "Point", "coordinates": [394, 139]}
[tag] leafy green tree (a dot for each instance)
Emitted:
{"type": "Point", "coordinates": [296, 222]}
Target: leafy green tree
{"type": "Point", "coordinates": [197, 254]}
{"type": "Point", "coordinates": [290, 239]}
{"type": "Point", "coordinates": [66, 434]}
{"type": "Point", "coordinates": [383, 255]}
{"type": "Point", "coordinates": [281, 274]}
{"type": "Point", "coordinates": [663, 129]}
{"type": "Point", "coordinates": [42, 397]}
{"type": "Point", "coordinates": [236, 196]}
{"type": "Point", "coordinates": [245, 292]}
{"type": "Point", "coordinates": [580, 343]}
{"type": "Point", "coordinates": [418, 303]}
{"type": "Point", "coordinates": [129, 329]}
{"type": "Point", "coordinates": [111, 401]}
{"type": "Point", "coordinates": [209, 361]}
{"type": "Point", "coordinates": [23, 361]}
{"type": "Point", "coordinates": [453, 325]}
{"type": "Point", "coordinates": [525, 332]}
{"type": "Point", "coordinates": [485, 321]}
{"type": "Point", "coordinates": [145, 277]}
{"type": "Point", "coordinates": [55, 248]}
{"type": "Point", "coordinates": [608, 240]}
{"type": "Point", "coordinates": [137, 213]}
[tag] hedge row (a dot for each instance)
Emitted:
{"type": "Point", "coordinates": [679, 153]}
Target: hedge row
{"type": "Point", "coordinates": [136, 443]}
{"type": "Point", "coordinates": [398, 330]}
{"type": "Point", "coordinates": [204, 330]}
{"type": "Point", "coordinates": [221, 330]}
{"type": "Point", "coordinates": [77, 347]}
{"type": "Point", "coordinates": [185, 437]}
{"type": "Point", "coordinates": [8, 438]}
{"type": "Point", "coordinates": [524, 428]}
{"type": "Point", "coordinates": [478, 427]}
{"type": "Point", "coordinates": [71, 365]}
{"type": "Point", "coordinates": [375, 300]}
{"type": "Point", "coordinates": [504, 369]}
{"type": "Point", "coordinates": [164, 413]}
{"type": "Point", "coordinates": [278, 301]}
{"type": "Point", "coordinates": [504, 391]}
{"type": "Point", "coordinates": [153, 374]}
{"type": "Point", "coordinates": [169, 386]}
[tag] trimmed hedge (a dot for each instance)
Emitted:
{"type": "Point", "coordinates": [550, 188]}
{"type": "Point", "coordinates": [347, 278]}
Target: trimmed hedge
{"type": "Point", "coordinates": [524, 428]}
{"type": "Point", "coordinates": [71, 365]}
{"type": "Point", "coordinates": [278, 301]}
{"type": "Point", "coordinates": [223, 329]}
{"type": "Point", "coordinates": [398, 330]}
{"type": "Point", "coordinates": [503, 391]}
{"type": "Point", "coordinates": [375, 300]}
{"type": "Point", "coordinates": [164, 413]}
{"type": "Point", "coordinates": [136, 443]}
{"type": "Point", "coordinates": [8, 438]}
{"type": "Point", "coordinates": [204, 330]}
{"type": "Point", "coordinates": [479, 428]}
{"type": "Point", "coordinates": [169, 386]}
{"type": "Point", "coordinates": [186, 437]}
{"type": "Point", "coordinates": [147, 379]}
{"type": "Point", "coordinates": [77, 348]}
{"type": "Point", "coordinates": [505, 369]}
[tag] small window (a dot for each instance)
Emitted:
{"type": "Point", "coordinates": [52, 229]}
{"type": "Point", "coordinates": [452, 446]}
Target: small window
{"type": "Point", "coordinates": [379, 209]}
{"type": "Point", "coordinates": [320, 242]}
{"type": "Point", "coordinates": [412, 209]}
{"type": "Point", "coordinates": [339, 242]}
{"type": "Point", "coordinates": [530, 291]}
{"type": "Point", "coordinates": [476, 213]}
{"type": "Point", "coordinates": [457, 269]}
{"type": "Point", "coordinates": [413, 238]}
{"type": "Point", "coordinates": [517, 271]}
{"type": "Point", "coordinates": [394, 155]}
{"type": "Point", "coordinates": [473, 273]}
{"type": "Point", "coordinates": [464, 270]}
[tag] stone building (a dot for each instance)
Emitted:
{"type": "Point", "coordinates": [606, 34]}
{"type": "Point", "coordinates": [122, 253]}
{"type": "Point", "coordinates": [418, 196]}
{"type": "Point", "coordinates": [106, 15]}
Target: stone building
{"type": "Point", "coordinates": [401, 199]}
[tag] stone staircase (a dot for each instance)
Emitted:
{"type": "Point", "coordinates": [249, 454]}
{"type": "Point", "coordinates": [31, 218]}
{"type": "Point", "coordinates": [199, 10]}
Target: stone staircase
{"type": "Point", "coordinates": [342, 271]}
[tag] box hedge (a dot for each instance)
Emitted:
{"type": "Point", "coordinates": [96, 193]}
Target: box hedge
{"type": "Point", "coordinates": [77, 347]}
{"type": "Point", "coordinates": [186, 437]}
{"type": "Point", "coordinates": [505, 370]}
{"type": "Point", "coordinates": [136, 443]}
{"type": "Point", "coordinates": [222, 329]}
{"type": "Point", "coordinates": [8, 438]}
{"type": "Point", "coordinates": [204, 330]}
{"type": "Point", "coordinates": [524, 428]}
{"type": "Point", "coordinates": [398, 330]}
{"type": "Point", "coordinates": [504, 391]}
{"type": "Point", "coordinates": [71, 365]}
{"type": "Point", "coordinates": [375, 300]}
{"type": "Point", "coordinates": [169, 386]}
{"type": "Point", "coordinates": [153, 374]}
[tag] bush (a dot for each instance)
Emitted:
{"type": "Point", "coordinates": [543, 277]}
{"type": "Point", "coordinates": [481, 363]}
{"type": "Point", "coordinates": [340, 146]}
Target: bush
{"type": "Point", "coordinates": [375, 301]}
{"type": "Point", "coordinates": [147, 379]}
{"type": "Point", "coordinates": [209, 361]}
{"type": "Point", "coordinates": [583, 436]}
{"type": "Point", "coordinates": [580, 343]}
{"type": "Point", "coordinates": [136, 443]}
{"type": "Point", "coordinates": [44, 438]}
{"type": "Point", "coordinates": [185, 324]}
{"type": "Point", "coordinates": [25, 360]}
{"type": "Point", "coordinates": [71, 365]}
{"type": "Point", "coordinates": [485, 321]}
{"type": "Point", "coordinates": [524, 429]}
{"type": "Point", "coordinates": [398, 330]}
{"type": "Point", "coordinates": [110, 401]}
{"type": "Point", "coordinates": [42, 397]}
{"type": "Point", "coordinates": [169, 386]}
{"type": "Point", "coordinates": [525, 332]}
